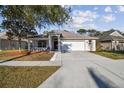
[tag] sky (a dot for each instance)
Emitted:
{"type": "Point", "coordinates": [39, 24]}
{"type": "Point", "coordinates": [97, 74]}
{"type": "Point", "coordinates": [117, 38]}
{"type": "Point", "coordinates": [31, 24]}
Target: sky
{"type": "Point", "coordinates": [99, 17]}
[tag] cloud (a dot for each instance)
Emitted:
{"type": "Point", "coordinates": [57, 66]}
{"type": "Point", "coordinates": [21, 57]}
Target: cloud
{"type": "Point", "coordinates": [80, 17]}
{"type": "Point", "coordinates": [108, 18]}
{"type": "Point", "coordinates": [120, 8]}
{"type": "Point", "coordinates": [115, 11]}
{"type": "Point", "coordinates": [95, 8]}
{"type": "Point", "coordinates": [86, 13]}
{"type": "Point", "coordinates": [108, 9]}
{"type": "Point", "coordinates": [79, 26]}
{"type": "Point", "coordinates": [87, 19]}
{"type": "Point", "coordinates": [90, 26]}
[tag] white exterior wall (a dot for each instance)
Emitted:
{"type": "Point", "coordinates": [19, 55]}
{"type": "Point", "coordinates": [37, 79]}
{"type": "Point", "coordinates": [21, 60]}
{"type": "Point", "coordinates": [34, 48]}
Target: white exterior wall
{"type": "Point", "coordinates": [87, 47]}
{"type": "Point", "coordinates": [115, 33]}
{"type": "Point", "coordinates": [50, 43]}
{"type": "Point", "coordinates": [93, 45]}
{"type": "Point", "coordinates": [116, 45]}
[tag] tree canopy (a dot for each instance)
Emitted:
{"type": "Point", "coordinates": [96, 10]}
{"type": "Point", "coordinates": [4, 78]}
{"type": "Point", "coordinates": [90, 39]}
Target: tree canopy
{"type": "Point", "coordinates": [82, 31]}
{"type": "Point", "coordinates": [90, 32]}
{"type": "Point", "coordinates": [21, 21]}
{"type": "Point", "coordinates": [39, 15]}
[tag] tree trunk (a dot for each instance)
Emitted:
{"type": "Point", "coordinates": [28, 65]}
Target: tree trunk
{"type": "Point", "coordinates": [9, 44]}
{"type": "Point", "coordinates": [19, 43]}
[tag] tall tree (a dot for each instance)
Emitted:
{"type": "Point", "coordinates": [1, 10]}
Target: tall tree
{"type": "Point", "coordinates": [82, 31]}
{"type": "Point", "coordinates": [93, 32]}
{"type": "Point", "coordinates": [19, 29]}
{"type": "Point", "coordinates": [112, 30]}
{"type": "Point", "coordinates": [97, 33]}
{"type": "Point", "coordinates": [89, 32]}
{"type": "Point", "coordinates": [21, 21]}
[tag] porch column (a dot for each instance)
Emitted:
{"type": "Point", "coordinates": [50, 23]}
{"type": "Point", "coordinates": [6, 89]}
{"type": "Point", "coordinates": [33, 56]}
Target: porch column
{"type": "Point", "coordinates": [59, 43]}
{"type": "Point", "coordinates": [50, 44]}
{"type": "Point", "coordinates": [0, 45]}
{"type": "Point", "coordinates": [29, 46]}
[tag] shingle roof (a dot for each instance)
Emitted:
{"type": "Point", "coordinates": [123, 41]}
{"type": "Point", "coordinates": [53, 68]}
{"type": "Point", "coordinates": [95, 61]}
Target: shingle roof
{"type": "Point", "coordinates": [72, 35]}
{"type": "Point", "coordinates": [117, 38]}
{"type": "Point", "coordinates": [106, 36]}
{"type": "Point", "coordinates": [107, 32]}
{"type": "Point", "coordinates": [38, 37]}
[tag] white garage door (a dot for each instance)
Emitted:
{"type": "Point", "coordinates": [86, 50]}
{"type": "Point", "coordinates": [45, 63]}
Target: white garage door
{"type": "Point", "coordinates": [73, 45]}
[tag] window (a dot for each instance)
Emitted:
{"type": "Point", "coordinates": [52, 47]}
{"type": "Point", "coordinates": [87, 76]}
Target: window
{"type": "Point", "coordinates": [41, 43]}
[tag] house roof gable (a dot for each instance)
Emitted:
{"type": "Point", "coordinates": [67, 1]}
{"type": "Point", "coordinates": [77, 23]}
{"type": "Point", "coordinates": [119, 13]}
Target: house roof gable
{"type": "Point", "coordinates": [111, 35]}
{"type": "Point", "coordinates": [74, 36]}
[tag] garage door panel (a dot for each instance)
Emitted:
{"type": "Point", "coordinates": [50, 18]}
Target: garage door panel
{"type": "Point", "coordinates": [73, 45]}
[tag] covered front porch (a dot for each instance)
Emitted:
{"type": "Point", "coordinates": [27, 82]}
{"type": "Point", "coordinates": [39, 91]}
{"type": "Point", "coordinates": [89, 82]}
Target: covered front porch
{"type": "Point", "coordinates": [40, 43]}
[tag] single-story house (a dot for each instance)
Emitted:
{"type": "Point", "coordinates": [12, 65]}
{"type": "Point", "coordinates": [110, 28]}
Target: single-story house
{"type": "Point", "coordinates": [60, 41]}
{"type": "Point", "coordinates": [112, 40]}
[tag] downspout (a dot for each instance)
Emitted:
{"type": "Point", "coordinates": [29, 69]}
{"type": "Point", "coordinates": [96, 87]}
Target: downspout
{"type": "Point", "coordinates": [111, 45]}
{"type": "Point", "coordinates": [29, 45]}
{"type": "Point", "coordinates": [59, 44]}
{"type": "Point", "coordinates": [50, 42]}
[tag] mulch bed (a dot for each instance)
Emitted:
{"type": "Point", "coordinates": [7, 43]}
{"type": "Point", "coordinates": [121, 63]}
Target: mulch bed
{"type": "Point", "coordinates": [26, 56]}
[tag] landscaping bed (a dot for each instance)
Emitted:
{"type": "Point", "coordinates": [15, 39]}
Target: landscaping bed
{"type": "Point", "coordinates": [24, 77]}
{"type": "Point", "coordinates": [25, 55]}
{"type": "Point", "coordinates": [111, 54]}
{"type": "Point", "coordinates": [13, 52]}
{"type": "Point", "coordinates": [41, 56]}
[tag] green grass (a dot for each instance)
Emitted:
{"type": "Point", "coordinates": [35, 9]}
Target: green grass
{"type": "Point", "coordinates": [113, 55]}
{"type": "Point", "coordinates": [24, 77]}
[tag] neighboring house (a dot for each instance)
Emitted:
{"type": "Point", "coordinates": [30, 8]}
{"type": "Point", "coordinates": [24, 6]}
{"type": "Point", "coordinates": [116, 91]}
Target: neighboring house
{"type": "Point", "coordinates": [112, 40]}
{"type": "Point", "coordinates": [56, 40]}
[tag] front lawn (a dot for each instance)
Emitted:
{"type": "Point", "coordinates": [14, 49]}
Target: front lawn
{"type": "Point", "coordinates": [24, 77]}
{"type": "Point", "coordinates": [24, 56]}
{"type": "Point", "coordinates": [113, 55]}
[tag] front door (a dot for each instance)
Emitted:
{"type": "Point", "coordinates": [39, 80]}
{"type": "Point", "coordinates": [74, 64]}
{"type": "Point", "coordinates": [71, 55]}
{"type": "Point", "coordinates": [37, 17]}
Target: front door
{"type": "Point", "coordinates": [55, 44]}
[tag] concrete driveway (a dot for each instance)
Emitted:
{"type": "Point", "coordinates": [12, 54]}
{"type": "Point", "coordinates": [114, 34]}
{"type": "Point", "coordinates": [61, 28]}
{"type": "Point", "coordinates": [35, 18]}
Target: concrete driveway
{"type": "Point", "coordinates": [86, 70]}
